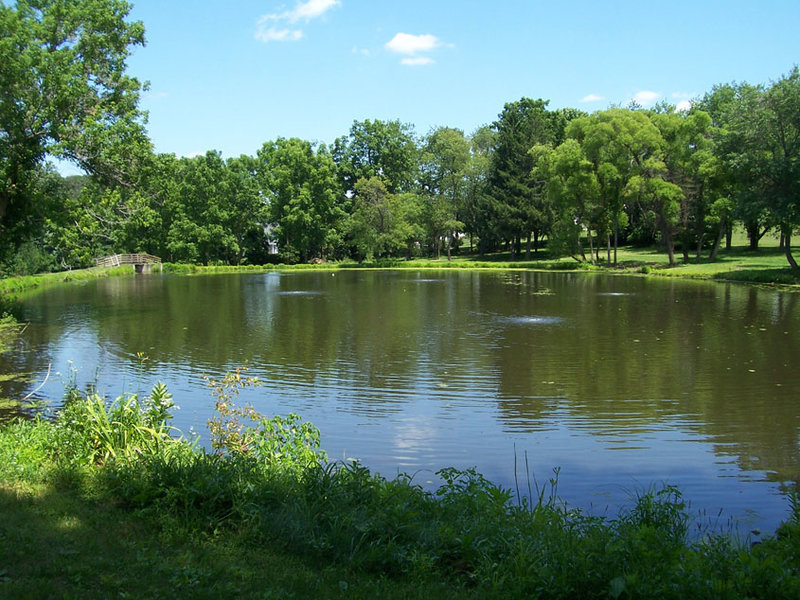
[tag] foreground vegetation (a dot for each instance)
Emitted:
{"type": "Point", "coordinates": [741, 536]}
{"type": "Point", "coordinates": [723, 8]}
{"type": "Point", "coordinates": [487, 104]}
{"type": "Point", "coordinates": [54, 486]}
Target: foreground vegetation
{"type": "Point", "coordinates": [106, 500]}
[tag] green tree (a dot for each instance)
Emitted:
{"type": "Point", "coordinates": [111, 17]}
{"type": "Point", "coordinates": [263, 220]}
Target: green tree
{"type": "Point", "coordinates": [385, 149]}
{"type": "Point", "coordinates": [766, 129]}
{"type": "Point", "coordinates": [384, 224]}
{"type": "Point", "coordinates": [731, 107]}
{"type": "Point", "coordinates": [624, 145]}
{"type": "Point", "coordinates": [692, 166]}
{"type": "Point", "coordinates": [573, 190]}
{"type": "Point", "coordinates": [197, 231]}
{"type": "Point", "coordinates": [518, 201]}
{"type": "Point", "coordinates": [64, 93]}
{"type": "Point", "coordinates": [305, 202]}
{"type": "Point", "coordinates": [477, 201]}
{"type": "Point", "coordinates": [446, 156]}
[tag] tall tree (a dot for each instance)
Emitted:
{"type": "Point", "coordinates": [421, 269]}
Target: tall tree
{"type": "Point", "coordinates": [383, 224]}
{"type": "Point", "coordinates": [692, 166]}
{"type": "Point", "coordinates": [624, 148]}
{"type": "Point", "coordinates": [519, 201]}
{"type": "Point", "coordinates": [574, 191]}
{"type": "Point", "coordinates": [731, 107]}
{"type": "Point", "coordinates": [476, 196]}
{"type": "Point", "coordinates": [305, 201]}
{"type": "Point", "coordinates": [385, 149]}
{"type": "Point", "coordinates": [446, 156]}
{"type": "Point", "coordinates": [198, 231]}
{"type": "Point", "coordinates": [64, 93]}
{"type": "Point", "coordinates": [767, 128]}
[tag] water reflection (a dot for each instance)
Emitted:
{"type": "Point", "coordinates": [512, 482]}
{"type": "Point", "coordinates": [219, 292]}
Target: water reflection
{"type": "Point", "coordinates": [618, 380]}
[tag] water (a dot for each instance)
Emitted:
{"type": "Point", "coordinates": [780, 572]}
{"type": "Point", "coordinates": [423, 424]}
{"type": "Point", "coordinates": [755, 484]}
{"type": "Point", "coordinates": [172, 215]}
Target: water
{"type": "Point", "coordinates": [624, 383]}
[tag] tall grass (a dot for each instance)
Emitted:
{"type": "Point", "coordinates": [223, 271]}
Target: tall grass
{"type": "Point", "coordinates": [270, 485]}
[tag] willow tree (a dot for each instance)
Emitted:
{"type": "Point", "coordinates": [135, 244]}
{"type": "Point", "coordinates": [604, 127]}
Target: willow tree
{"type": "Point", "coordinates": [622, 145]}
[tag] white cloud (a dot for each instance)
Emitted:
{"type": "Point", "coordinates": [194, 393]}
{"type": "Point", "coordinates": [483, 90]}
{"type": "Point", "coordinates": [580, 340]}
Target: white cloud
{"type": "Point", "coordinates": [406, 43]}
{"type": "Point", "coordinates": [646, 97]}
{"type": "Point", "coordinates": [311, 10]}
{"type": "Point", "coordinates": [683, 106]}
{"type": "Point", "coordinates": [273, 34]}
{"type": "Point", "coordinates": [417, 61]}
{"type": "Point", "coordinates": [304, 11]}
{"type": "Point", "coordinates": [592, 98]}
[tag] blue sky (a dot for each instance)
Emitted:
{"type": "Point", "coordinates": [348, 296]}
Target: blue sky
{"type": "Point", "coordinates": [229, 75]}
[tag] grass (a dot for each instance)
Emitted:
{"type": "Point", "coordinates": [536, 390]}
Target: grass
{"type": "Point", "coordinates": [117, 505]}
{"type": "Point", "coordinates": [767, 265]}
{"type": "Point", "coordinates": [55, 543]}
{"type": "Point", "coordinates": [13, 287]}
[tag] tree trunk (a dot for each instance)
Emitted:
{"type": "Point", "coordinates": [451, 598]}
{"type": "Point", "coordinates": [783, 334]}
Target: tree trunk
{"type": "Point", "coordinates": [528, 247]}
{"type": "Point", "coordinates": [616, 236]}
{"type": "Point", "coordinates": [752, 234]}
{"type": "Point", "coordinates": [723, 226]}
{"type": "Point", "coordinates": [670, 247]}
{"type": "Point", "coordinates": [786, 231]}
{"type": "Point", "coordinates": [580, 249]}
{"type": "Point", "coordinates": [729, 236]}
{"type": "Point", "coordinates": [591, 244]}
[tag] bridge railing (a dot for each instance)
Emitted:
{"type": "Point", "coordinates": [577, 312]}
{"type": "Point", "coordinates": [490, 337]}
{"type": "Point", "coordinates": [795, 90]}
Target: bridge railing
{"type": "Point", "coordinates": [116, 260]}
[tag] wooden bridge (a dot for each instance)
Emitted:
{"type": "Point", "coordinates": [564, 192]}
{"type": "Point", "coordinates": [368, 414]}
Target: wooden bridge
{"type": "Point", "coordinates": [142, 263]}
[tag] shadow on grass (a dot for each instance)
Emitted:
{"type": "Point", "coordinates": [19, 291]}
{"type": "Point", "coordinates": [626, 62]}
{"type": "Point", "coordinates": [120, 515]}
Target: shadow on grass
{"type": "Point", "coordinates": [54, 543]}
{"type": "Point", "coordinates": [784, 276]}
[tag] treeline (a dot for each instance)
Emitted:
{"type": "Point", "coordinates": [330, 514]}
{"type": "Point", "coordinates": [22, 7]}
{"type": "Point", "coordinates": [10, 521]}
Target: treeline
{"type": "Point", "coordinates": [585, 183]}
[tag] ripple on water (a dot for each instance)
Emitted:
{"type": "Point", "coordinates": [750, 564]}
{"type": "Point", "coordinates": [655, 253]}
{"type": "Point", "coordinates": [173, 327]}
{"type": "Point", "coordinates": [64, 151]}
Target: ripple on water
{"type": "Point", "coordinates": [533, 320]}
{"type": "Point", "coordinates": [614, 294]}
{"type": "Point", "coordinates": [299, 293]}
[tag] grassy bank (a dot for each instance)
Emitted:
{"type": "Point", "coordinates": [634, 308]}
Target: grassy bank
{"type": "Point", "coordinates": [764, 266]}
{"type": "Point", "coordinates": [11, 287]}
{"type": "Point", "coordinates": [106, 501]}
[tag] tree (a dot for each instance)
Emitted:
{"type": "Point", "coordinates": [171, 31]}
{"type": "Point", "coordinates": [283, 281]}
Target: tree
{"type": "Point", "coordinates": [692, 166]}
{"type": "Point", "coordinates": [385, 149]}
{"type": "Point", "coordinates": [383, 224]}
{"type": "Point", "coordinates": [64, 93]}
{"type": "Point", "coordinates": [198, 230]}
{"type": "Point", "coordinates": [731, 107]}
{"type": "Point", "coordinates": [305, 203]}
{"type": "Point", "coordinates": [622, 145]}
{"type": "Point", "coordinates": [767, 128]}
{"type": "Point", "coordinates": [446, 156]}
{"type": "Point", "coordinates": [574, 191]}
{"type": "Point", "coordinates": [248, 209]}
{"type": "Point", "coordinates": [519, 202]}
{"type": "Point", "coordinates": [476, 193]}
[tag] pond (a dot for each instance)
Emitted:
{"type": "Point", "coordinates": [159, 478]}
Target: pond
{"type": "Point", "coordinates": [622, 383]}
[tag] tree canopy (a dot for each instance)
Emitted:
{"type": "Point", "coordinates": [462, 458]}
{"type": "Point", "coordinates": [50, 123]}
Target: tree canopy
{"type": "Point", "coordinates": [64, 93]}
{"type": "Point", "coordinates": [676, 179]}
